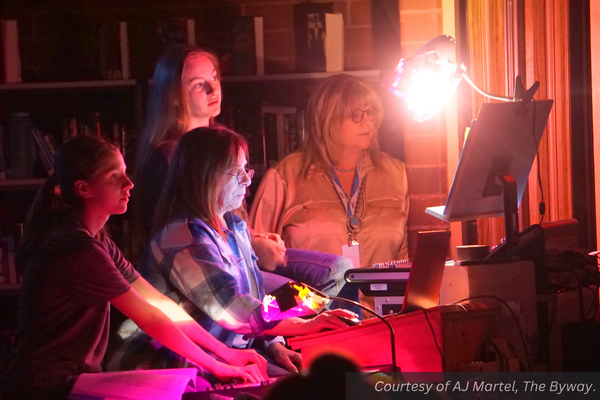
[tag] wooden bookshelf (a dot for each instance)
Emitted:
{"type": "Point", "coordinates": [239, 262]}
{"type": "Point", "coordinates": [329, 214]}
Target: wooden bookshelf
{"type": "Point", "coordinates": [9, 288]}
{"type": "Point", "coordinates": [109, 84]}
{"type": "Point", "coordinates": [365, 74]}
{"type": "Point", "coordinates": [20, 184]}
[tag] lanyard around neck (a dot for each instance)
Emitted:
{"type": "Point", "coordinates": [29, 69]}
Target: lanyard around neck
{"type": "Point", "coordinates": [353, 206]}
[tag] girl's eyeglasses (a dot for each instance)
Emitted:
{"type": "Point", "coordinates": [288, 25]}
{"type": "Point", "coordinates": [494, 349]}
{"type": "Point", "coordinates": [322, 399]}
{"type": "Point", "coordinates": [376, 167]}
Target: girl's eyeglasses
{"type": "Point", "coordinates": [240, 174]}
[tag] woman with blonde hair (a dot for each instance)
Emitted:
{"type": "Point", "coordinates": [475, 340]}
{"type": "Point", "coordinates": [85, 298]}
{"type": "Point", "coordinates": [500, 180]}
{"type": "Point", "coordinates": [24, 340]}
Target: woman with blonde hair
{"type": "Point", "coordinates": [340, 194]}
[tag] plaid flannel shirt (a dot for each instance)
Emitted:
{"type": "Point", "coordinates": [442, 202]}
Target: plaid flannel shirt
{"type": "Point", "coordinates": [192, 264]}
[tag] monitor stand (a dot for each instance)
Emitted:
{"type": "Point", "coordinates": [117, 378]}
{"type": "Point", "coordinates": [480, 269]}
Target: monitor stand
{"type": "Point", "coordinates": [511, 219]}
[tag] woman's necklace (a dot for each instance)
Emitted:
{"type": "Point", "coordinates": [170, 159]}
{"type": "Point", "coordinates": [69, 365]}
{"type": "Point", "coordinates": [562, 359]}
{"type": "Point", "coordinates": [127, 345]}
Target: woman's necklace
{"type": "Point", "coordinates": [354, 224]}
{"type": "Point", "coordinates": [344, 170]}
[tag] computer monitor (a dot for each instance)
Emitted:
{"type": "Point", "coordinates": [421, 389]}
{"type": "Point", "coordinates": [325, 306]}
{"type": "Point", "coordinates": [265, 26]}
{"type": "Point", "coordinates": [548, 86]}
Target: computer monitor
{"type": "Point", "coordinates": [495, 163]}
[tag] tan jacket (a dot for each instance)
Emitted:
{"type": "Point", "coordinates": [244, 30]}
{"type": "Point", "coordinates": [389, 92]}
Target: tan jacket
{"type": "Point", "coordinates": [308, 214]}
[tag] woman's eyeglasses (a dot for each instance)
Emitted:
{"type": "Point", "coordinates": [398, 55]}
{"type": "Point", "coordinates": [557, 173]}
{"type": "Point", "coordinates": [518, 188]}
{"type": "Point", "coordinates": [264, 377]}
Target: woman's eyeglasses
{"type": "Point", "coordinates": [359, 115]}
{"type": "Point", "coordinates": [240, 174]}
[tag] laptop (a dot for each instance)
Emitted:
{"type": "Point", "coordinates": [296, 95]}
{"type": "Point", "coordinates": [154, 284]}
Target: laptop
{"type": "Point", "coordinates": [420, 284]}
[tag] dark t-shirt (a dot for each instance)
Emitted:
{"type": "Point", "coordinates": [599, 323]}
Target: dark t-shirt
{"type": "Point", "coordinates": [153, 179]}
{"type": "Point", "coordinates": [64, 306]}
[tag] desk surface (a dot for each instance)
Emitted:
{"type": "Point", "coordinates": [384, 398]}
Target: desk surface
{"type": "Point", "coordinates": [429, 340]}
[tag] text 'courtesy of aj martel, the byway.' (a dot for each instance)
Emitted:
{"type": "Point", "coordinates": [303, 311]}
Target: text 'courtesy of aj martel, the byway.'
{"type": "Point", "coordinates": [554, 387]}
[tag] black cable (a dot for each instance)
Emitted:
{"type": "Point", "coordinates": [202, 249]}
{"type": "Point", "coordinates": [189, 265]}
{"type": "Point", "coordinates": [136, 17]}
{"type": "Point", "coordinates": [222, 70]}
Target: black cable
{"type": "Point", "coordinates": [514, 318]}
{"type": "Point", "coordinates": [596, 303]}
{"type": "Point", "coordinates": [503, 357]}
{"type": "Point", "coordinates": [504, 362]}
{"type": "Point", "coordinates": [395, 368]}
{"type": "Point", "coordinates": [590, 313]}
{"type": "Point", "coordinates": [554, 306]}
{"type": "Point", "coordinates": [580, 295]}
{"type": "Point", "coordinates": [597, 294]}
{"type": "Point", "coordinates": [542, 204]}
{"type": "Point", "coordinates": [437, 345]}
{"type": "Point", "coordinates": [439, 349]}
{"type": "Point", "coordinates": [463, 307]}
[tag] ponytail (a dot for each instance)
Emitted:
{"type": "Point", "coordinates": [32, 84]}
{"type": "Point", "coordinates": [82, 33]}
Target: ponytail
{"type": "Point", "coordinates": [45, 212]}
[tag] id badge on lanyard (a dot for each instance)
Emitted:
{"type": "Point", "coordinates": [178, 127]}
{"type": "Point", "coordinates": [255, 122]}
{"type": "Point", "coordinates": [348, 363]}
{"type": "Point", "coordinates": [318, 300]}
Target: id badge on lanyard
{"type": "Point", "coordinates": [353, 224]}
{"type": "Point", "coordinates": [351, 251]}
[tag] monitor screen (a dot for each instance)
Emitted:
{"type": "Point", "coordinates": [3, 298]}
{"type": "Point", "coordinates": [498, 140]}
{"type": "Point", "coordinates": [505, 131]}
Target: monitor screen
{"type": "Point", "coordinates": [503, 140]}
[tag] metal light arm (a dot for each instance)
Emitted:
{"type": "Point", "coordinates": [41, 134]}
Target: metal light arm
{"type": "Point", "coordinates": [427, 79]}
{"type": "Point", "coordinates": [486, 94]}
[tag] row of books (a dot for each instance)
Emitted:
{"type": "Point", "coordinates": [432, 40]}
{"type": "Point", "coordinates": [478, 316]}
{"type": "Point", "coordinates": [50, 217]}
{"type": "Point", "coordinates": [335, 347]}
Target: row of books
{"type": "Point", "coordinates": [23, 143]}
{"type": "Point", "coordinates": [279, 132]}
{"type": "Point", "coordinates": [116, 131]}
{"type": "Point", "coordinates": [282, 130]}
{"type": "Point", "coordinates": [318, 34]}
{"type": "Point", "coordinates": [319, 37]}
{"type": "Point", "coordinates": [318, 31]}
{"type": "Point", "coordinates": [273, 131]}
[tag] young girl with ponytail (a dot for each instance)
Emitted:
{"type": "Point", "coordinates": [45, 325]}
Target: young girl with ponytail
{"type": "Point", "coordinates": [72, 273]}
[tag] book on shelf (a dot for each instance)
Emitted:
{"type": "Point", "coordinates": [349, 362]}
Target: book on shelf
{"type": "Point", "coordinates": [114, 50]}
{"type": "Point", "coordinates": [69, 129]}
{"type": "Point", "coordinates": [190, 29]}
{"type": "Point", "coordinates": [11, 57]}
{"type": "Point", "coordinates": [176, 31]}
{"type": "Point", "coordinates": [248, 46]}
{"type": "Point", "coordinates": [9, 268]}
{"type": "Point", "coordinates": [247, 122]}
{"type": "Point", "coordinates": [45, 153]}
{"type": "Point", "coordinates": [334, 42]}
{"type": "Point", "coordinates": [2, 154]}
{"type": "Point", "coordinates": [282, 128]}
{"type": "Point", "coordinates": [50, 142]}
{"type": "Point", "coordinates": [3, 277]}
{"type": "Point", "coordinates": [309, 35]}
{"type": "Point", "coordinates": [124, 50]}
{"type": "Point", "coordinates": [91, 125]}
{"type": "Point", "coordinates": [158, 384]}
{"type": "Point", "coordinates": [123, 140]}
{"type": "Point", "coordinates": [20, 146]}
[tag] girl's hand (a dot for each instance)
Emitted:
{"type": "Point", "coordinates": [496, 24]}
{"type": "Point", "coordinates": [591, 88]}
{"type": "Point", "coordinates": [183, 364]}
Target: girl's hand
{"type": "Point", "coordinates": [241, 358]}
{"type": "Point", "coordinates": [249, 373]}
{"type": "Point", "coordinates": [285, 357]}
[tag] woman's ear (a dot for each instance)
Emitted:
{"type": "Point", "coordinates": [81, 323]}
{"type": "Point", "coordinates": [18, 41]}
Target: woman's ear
{"type": "Point", "coordinates": [82, 189]}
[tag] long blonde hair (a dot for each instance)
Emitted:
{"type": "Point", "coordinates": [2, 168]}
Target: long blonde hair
{"type": "Point", "coordinates": [167, 116]}
{"type": "Point", "coordinates": [168, 110]}
{"type": "Point", "coordinates": [334, 100]}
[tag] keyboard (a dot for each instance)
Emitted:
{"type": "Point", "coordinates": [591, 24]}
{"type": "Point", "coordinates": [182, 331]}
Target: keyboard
{"type": "Point", "coordinates": [230, 390]}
